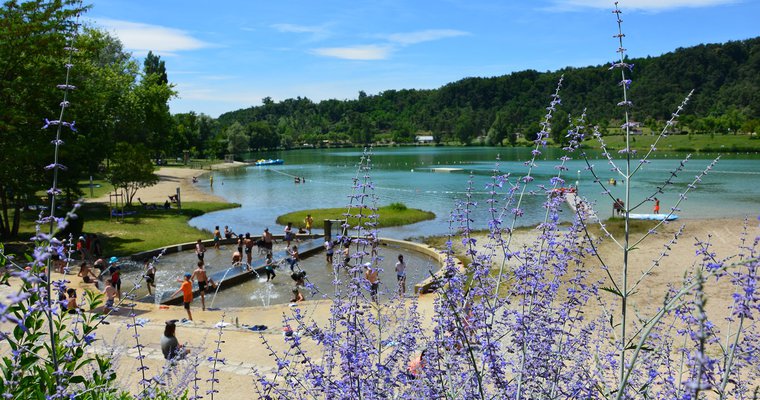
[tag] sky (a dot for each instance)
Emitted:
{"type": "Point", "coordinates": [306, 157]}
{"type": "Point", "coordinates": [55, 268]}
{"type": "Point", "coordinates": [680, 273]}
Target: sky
{"type": "Point", "coordinates": [225, 55]}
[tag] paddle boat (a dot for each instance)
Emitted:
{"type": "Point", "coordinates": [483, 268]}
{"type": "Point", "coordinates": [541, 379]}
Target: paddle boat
{"type": "Point", "coordinates": [263, 162]}
{"type": "Point", "coordinates": [654, 217]}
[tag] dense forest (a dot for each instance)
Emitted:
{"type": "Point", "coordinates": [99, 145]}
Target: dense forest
{"type": "Point", "coordinates": [498, 110]}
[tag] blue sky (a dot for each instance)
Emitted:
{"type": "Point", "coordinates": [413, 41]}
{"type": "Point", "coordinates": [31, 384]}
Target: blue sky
{"type": "Point", "coordinates": [229, 54]}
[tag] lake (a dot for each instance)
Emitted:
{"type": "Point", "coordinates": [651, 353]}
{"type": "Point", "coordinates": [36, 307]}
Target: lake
{"type": "Point", "coordinates": [435, 178]}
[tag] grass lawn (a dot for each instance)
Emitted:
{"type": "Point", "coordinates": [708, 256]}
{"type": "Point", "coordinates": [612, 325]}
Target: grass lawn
{"type": "Point", "coordinates": [392, 215]}
{"type": "Point", "coordinates": [145, 230]}
{"type": "Point", "coordinates": [693, 143]}
{"type": "Point", "coordinates": [100, 188]}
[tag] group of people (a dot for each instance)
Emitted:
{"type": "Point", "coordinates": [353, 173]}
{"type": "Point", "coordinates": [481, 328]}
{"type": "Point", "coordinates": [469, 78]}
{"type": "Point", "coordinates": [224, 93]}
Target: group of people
{"type": "Point", "coordinates": [204, 282]}
{"type": "Point", "coordinates": [618, 206]}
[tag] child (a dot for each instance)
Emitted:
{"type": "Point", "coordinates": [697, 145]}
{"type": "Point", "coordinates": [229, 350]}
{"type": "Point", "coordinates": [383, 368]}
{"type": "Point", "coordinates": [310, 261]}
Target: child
{"type": "Point", "coordinates": [85, 272]}
{"type": "Point", "coordinates": [294, 257]}
{"type": "Point", "coordinates": [200, 250]}
{"type": "Point", "coordinates": [150, 275]}
{"type": "Point", "coordinates": [309, 221]}
{"type": "Point", "coordinates": [330, 249]}
{"type": "Point", "coordinates": [200, 275]}
{"type": "Point", "coordinates": [217, 237]}
{"type": "Point", "coordinates": [187, 294]}
{"type": "Point", "coordinates": [269, 267]}
{"type": "Point", "coordinates": [297, 296]}
{"type": "Point", "coordinates": [116, 279]}
{"type": "Point", "coordinates": [71, 305]}
{"type": "Point", "coordinates": [110, 293]}
{"type": "Point", "coordinates": [289, 236]}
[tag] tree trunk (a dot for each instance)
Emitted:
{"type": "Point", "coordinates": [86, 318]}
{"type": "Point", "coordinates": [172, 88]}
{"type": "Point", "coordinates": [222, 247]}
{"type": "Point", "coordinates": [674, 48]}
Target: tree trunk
{"type": "Point", "coordinates": [16, 219]}
{"type": "Point", "coordinates": [4, 222]}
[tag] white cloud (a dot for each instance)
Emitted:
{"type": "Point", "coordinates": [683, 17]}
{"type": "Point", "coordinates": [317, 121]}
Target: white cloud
{"type": "Point", "coordinates": [141, 38]}
{"type": "Point", "coordinates": [316, 32]}
{"type": "Point", "coordinates": [423, 36]}
{"type": "Point", "coordinates": [366, 52]}
{"type": "Point", "coordinates": [645, 5]}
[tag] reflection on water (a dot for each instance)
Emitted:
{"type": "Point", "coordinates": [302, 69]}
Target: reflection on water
{"type": "Point", "coordinates": [408, 175]}
{"type": "Point", "coordinates": [259, 292]}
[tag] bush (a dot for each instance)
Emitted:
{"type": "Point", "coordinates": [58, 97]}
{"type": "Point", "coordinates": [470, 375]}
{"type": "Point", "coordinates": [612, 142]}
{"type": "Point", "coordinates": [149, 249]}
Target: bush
{"type": "Point", "coordinates": [397, 206]}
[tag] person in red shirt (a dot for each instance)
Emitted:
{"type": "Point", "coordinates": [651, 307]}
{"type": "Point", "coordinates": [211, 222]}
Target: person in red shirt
{"type": "Point", "coordinates": [187, 294]}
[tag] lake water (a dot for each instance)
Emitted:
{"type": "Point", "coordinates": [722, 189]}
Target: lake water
{"type": "Point", "coordinates": [409, 175]}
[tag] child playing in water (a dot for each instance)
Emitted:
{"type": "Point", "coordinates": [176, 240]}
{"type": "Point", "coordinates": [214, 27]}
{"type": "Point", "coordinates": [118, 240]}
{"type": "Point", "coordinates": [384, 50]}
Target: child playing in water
{"type": "Point", "coordinates": [187, 294]}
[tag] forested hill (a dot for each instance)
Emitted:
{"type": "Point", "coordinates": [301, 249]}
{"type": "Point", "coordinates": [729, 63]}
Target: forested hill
{"type": "Point", "coordinates": [725, 77]}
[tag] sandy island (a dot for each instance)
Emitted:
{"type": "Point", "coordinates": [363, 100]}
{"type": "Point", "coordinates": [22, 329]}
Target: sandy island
{"type": "Point", "coordinates": [243, 349]}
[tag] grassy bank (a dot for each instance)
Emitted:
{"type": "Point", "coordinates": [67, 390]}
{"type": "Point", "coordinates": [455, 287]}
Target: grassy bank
{"type": "Point", "coordinates": [143, 230]}
{"type": "Point", "coordinates": [690, 143]}
{"type": "Point", "coordinates": [392, 215]}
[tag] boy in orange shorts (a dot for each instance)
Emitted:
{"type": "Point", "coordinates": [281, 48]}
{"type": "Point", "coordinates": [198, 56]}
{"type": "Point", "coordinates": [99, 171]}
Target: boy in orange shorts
{"type": "Point", "coordinates": [187, 294]}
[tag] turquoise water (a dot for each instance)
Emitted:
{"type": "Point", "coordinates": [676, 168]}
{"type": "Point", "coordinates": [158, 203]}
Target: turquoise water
{"type": "Point", "coordinates": [409, 175]}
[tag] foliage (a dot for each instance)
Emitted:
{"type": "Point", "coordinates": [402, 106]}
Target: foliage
{"type": "Point", "coordinates": [516, 321]}
{"type": "Point", "coordinates": [131, 169]}
{"type": "Point", "coordinates": [725, 76]}
{"type": "Point", "coordinates": [391, 215]}
{"type": "Point", "coordinates": [38, 27]}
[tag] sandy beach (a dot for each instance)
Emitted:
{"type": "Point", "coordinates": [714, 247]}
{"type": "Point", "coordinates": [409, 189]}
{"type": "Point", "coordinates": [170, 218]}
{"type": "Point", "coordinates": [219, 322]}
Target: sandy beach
{"type": "Point", "coordinates": [171, 178]}
{"type": "Point", "coordinates": [243, 349]}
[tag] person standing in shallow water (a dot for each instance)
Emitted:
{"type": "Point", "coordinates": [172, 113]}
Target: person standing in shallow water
{"type": "Point", "coordinates": [401, 275]}
{"type": "Point", "coordinates": [200, 250]}
{"type": "Point", "coordinates": [187, 294]}
{"type": "Point", "coordinates": [248, 243]}
{"type": "Point", "coordinates": [269, 267]}
{"type": "Point", "coordinates": [656, 205]}
{"type": "Point", "coordinates": [200, 275]}
{"type": "Point", "coordinates": [217, 237]}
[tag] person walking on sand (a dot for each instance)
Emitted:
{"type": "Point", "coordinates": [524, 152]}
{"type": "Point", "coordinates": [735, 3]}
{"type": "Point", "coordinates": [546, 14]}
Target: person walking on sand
{"type": "Point", "coordinates": [217, 237]}
{"type": "Point", "coordinates": [200, 250]}
{"type": "Point", "coordinates": [656, 205]}
{"type": "Point", "coordinates": [308, 222]}
{"type": "Point", "coordinates": [401, 275]}
{"type": "Point", "coordinates": [200, 275]}
{"type": "Point", "coordinates": [187, 294]}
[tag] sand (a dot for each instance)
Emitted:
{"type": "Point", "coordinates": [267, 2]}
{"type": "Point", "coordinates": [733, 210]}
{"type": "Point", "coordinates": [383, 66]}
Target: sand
{"type": "Point", "coordinates": [243, 349]}
{"type": "Point", "coordinates": [171, 178]}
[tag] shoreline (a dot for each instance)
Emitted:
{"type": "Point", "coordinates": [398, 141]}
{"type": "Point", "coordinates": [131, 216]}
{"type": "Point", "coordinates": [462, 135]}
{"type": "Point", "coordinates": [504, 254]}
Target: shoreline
{"type": "Point", "coordinates": [171, 178]}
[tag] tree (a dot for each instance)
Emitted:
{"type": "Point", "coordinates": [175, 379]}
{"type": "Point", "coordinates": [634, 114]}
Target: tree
{"type": "Point", "coordinates": [237, 139]}
{"type": "Point", "coordinates": [154, 65]}
{"type": "Point", "coordinates": [497, 131]}
{"type": "Point", "coordinates": [31, 53]}
{"type": "Point", "coordinates": [131, 169]}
